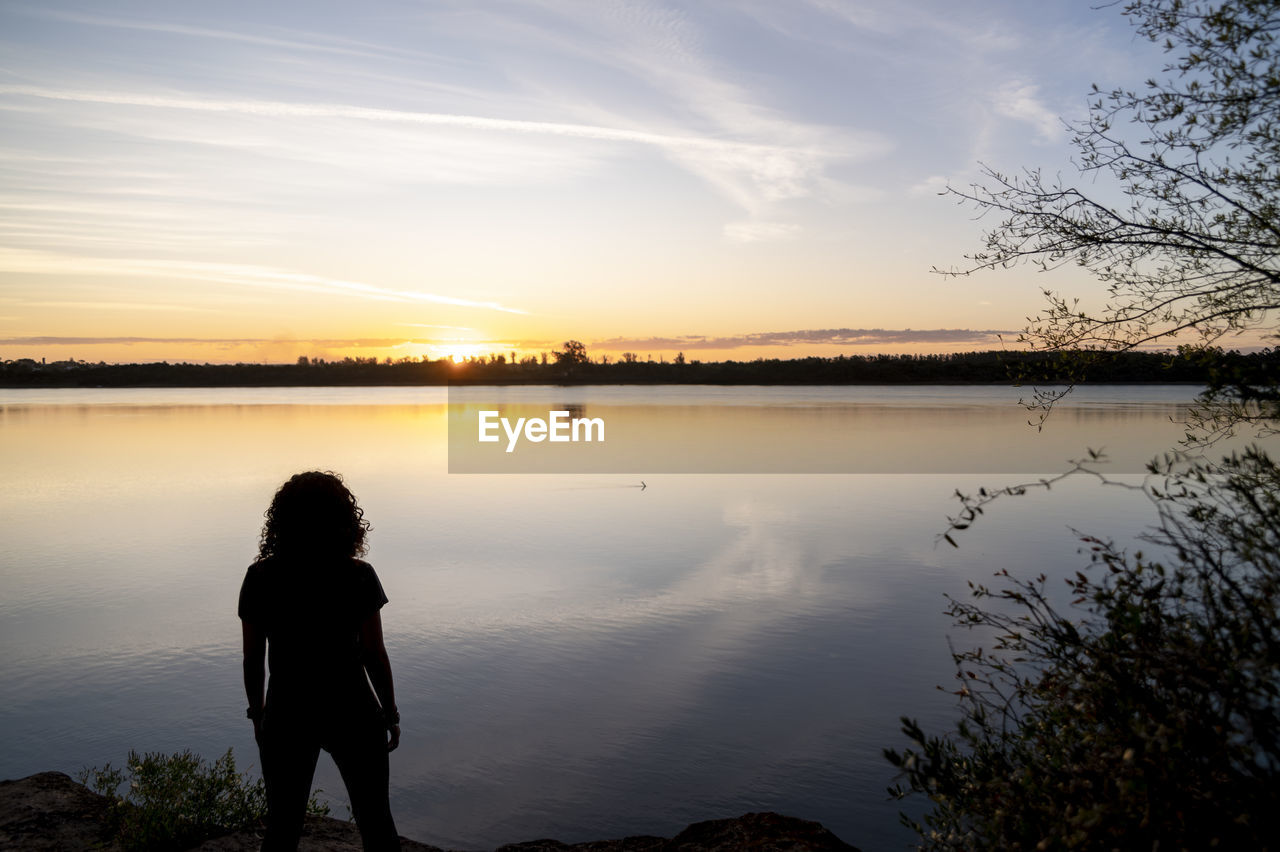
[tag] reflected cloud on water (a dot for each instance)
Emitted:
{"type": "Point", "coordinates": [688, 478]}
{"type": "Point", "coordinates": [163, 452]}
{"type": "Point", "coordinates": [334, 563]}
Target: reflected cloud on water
{"type": "Point", "coordinates": [575, 656]}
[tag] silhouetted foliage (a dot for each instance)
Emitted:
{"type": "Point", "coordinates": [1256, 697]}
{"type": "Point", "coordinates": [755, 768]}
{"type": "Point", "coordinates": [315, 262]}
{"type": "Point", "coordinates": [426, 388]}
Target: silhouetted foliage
{"type": "Point", "coordinates": [571, 353]}
{"type": "Point", "coordinates": [1193, 245]}
{"type": "Point", "coordinates": [1146, 713]}
{"type": "Point", "coordinates": [176, 801]}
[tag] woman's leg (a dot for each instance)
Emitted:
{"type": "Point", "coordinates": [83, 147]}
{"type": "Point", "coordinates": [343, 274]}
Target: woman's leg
{"type": "Point", "coordinates": [360, 753]}
{"type": "Point", "coordinates": [289, 756]}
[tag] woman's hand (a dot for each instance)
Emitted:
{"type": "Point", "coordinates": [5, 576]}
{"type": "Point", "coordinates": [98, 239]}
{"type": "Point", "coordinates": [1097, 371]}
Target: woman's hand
{"type": "Point", "coordinates": [394, 731]}
{"type": "Point", "coordinates": [255, 672]}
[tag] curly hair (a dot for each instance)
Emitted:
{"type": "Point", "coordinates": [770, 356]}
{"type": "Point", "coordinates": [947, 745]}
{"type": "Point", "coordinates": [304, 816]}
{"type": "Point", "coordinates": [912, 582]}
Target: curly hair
{"type": "Point", "coordinates": [313, 514]}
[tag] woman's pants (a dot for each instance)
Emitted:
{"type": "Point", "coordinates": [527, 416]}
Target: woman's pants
{"type": "Point", "coordinates": [289, 750]}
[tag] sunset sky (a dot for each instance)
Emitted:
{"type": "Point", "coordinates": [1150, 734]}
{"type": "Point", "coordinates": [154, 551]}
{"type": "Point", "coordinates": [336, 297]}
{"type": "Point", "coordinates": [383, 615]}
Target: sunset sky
{"type": "Point", "coordinates": [241, 181]}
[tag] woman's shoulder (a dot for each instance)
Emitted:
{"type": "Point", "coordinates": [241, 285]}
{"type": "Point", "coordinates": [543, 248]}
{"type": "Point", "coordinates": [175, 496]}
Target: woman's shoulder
{"type": "Point", "coordinates": [262, 565]}
{"type": "Point", "coordinates": [370, 585]}
{"type": "Point", "coordinates": [255, 590]}
{"type": "Point", "coordinates": [349, 567]}
{"type": "Point", "coordinates": [272, 570]}
{"type": "Point", "coordinates": [363, 570]}
{"type": "Point", "coordinates": [282, 565]}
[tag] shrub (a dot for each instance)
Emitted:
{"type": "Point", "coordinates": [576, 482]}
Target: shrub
{"type": "Point", "coordinates": [1143, 715]}
{"type": "Point", "coordinates": [174, 801]}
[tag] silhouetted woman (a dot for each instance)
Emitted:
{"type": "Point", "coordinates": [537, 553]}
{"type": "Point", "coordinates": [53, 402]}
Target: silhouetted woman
{"type": "Point", "coordinates": [313, 607]}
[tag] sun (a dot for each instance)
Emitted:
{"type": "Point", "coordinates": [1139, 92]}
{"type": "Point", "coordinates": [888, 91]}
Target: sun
{"type": "Point", "coordinates": [457, 352]}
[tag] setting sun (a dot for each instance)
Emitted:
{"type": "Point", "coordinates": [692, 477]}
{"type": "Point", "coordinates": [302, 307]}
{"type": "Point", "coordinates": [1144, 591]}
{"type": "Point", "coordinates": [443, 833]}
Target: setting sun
{"type": "Point", "coordinates": [458, 352]}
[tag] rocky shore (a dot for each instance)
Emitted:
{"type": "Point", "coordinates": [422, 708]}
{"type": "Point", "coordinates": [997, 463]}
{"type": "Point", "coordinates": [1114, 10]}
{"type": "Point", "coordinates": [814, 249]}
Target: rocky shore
{"type": "Point", "coordinates": [50, 811]}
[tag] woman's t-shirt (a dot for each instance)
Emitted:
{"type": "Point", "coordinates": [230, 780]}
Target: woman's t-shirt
{"type": "Point", "coordinates": [311, 612]}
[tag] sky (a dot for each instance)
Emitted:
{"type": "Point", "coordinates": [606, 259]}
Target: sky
{"type": "Point", "coordinates": [246, 181]}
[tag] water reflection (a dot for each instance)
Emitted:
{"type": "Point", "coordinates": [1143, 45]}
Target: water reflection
{"type": "Point", "coordinates": [575, 657]}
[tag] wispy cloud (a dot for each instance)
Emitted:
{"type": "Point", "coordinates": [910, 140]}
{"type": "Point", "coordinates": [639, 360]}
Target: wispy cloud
{"type": "Point", "coordinates": [932, 185]}
{"type": "Point", "coordinates": [105, 305]}
{"type": "Point", "coordinates": [809, 337]}
{"type": "Point", "coordinates": [311, 42]}
{"type": "Point", "coordinates": [18, 260]}
{"type": "Point", "coordinates": [1021, 102]}
{"type": "Point", "coordinates": [678, 81]}
{"type": "Point", "coordinates": [776, 170]}
{"type": "Point", "coordinates": [881, 21]}
{"type": "Point", "coordinates": [124, 219]}
{"type": "Point", "coordinates": [755, 232]}
{"type": "Point", "coordinates": [320, 342]}
{"type": "Point", "coordinates": [283, 109]}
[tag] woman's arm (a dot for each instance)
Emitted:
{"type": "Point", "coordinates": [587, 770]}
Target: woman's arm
{"type": "Point", "coordinates": [378, 665]}
{"type": "Point", "coordinates": [255, 672]}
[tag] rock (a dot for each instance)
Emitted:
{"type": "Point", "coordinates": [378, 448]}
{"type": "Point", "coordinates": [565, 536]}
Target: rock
{"type": "Point", "coordinates": [49, 811]}
{"type": "Point", "coordinates": [639, 843]}
{"type": "Point", "coordinates": [761, 832]}
{"type": "Point", "coordinates": [322, 834]}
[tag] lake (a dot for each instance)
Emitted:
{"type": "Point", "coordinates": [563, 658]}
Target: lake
{"type": "Point", "coordinates": [576, 655]}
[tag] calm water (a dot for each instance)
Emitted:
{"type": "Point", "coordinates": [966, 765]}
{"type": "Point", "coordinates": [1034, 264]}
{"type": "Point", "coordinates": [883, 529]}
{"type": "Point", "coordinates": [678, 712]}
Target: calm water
{"type": "Point", "coordinates": [575, 657]}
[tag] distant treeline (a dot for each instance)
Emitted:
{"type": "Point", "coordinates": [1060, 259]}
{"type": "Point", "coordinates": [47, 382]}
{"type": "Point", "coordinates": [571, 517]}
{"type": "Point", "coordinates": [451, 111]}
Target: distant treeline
{"type": "Point", "coordinates": [573, 368]}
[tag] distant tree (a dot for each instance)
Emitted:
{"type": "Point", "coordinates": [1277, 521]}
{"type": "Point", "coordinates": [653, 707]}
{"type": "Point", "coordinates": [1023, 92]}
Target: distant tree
{"type": "Point", "coordinates": [303, 361]}
{"type": "Point", "coordinates": [1192, 248]}
{"type": "Point", "coordinates": [571, 353]}
{"type": "Point", "coordinates": [630, 357]}
{"type": "Point", "coordinates": [679, 358]}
